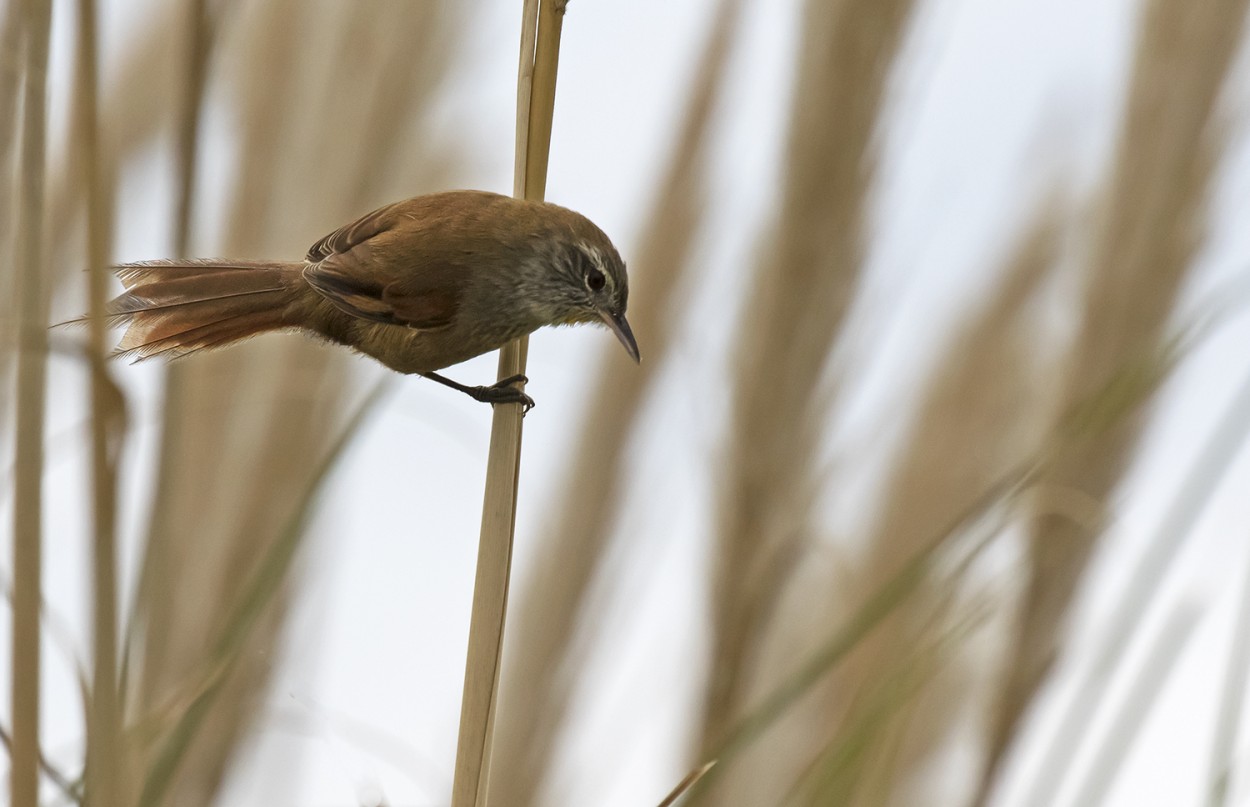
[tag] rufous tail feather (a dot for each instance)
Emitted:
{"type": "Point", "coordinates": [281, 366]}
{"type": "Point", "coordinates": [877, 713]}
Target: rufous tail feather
{"type": "Point", "coordinates": [177, 307]}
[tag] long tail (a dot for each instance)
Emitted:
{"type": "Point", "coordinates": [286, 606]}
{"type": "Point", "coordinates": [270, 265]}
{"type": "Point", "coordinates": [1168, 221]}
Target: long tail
{"type": "Point", "coordinates": [173, 308]}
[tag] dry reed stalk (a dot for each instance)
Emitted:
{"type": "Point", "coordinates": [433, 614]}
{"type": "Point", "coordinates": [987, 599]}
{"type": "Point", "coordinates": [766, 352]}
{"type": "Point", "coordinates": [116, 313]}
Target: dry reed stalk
{"type": "Point", "coordinates": [10, 123]}
{"type": "Point", "coordinates": [105, 755]}
{"type": "Point", "coordinates": [246, 427]}
{"type": "Point", "coordinates": [32, 320]}
{"type": "Point", "coordinates": [72, 791]}
{"type": "Point", "coordinates": [803, 286]}
{"type": "Point", "coordinates": [1149, 232]}
{"type": "Point", "coordinates": [687, 783]}
{"type": "Point", "coordinates": [494, 567]}
{"type": "Point", "coordinates": [981, 415]}
{"type": "Point", "coordinates": [197, 39]}
{"type": "Point", "coordinates": [474, 743]}
{"type": "Point", "coordinates": [11, 30]}
{"type": "Point", "coordinates": [542, 645]}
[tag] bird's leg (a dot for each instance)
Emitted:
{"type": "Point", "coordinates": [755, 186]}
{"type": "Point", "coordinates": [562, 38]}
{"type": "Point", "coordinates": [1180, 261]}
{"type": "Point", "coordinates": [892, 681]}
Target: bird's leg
{"type": "Point", "coordinates": [502, 391]}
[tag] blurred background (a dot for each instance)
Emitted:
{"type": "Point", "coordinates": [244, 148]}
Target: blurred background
{"type": "Point", "coordinates": [930, 488]}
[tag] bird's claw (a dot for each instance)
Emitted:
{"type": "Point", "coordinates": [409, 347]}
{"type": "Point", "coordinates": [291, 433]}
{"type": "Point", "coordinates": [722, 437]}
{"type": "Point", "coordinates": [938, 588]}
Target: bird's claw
{"type": "Point", "coordinates": [504, 391]}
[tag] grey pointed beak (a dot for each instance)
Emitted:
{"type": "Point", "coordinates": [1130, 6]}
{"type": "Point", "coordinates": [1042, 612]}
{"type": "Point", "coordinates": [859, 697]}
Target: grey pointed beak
{"type": "Point", "coordinates": [619, 326]}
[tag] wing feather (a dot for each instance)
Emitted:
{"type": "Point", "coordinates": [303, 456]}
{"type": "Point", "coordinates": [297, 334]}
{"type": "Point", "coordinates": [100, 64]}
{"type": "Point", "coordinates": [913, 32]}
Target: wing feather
{"type": "Point", "coordinates": [350, 236]}
{"type": "Point", "coordinates": [382, 268]}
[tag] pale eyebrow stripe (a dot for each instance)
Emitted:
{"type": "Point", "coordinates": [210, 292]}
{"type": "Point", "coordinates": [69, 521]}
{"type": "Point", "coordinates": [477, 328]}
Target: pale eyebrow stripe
{"type": "Point", "coordinates": [596, 257]}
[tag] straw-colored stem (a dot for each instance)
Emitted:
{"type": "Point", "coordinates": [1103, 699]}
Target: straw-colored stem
{"type": "Point", "coordinates": [104, 751]}
{"type": "Point", "coordinates": [198, 38]}
{"type": "Point", "coordinates": [543, 97]}
{"type": "Point", "coordinates": [10, 87]}
{"type": "Point", "coordinates": [494, 566]}
{"type": "Point", "coordinates": [31, 378]}
{"type": "Point", "coordinates": [10, 121]}
{"type": "Point", "coordinates": [524, 94]}
{"type": "Point", "coordinates": [535, 700]}
{"type": "Point", "coordinates": [691, 779]}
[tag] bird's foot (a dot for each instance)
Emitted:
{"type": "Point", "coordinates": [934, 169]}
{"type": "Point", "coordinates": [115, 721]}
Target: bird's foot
{"type": "Point", "coordinates": [504, 392]}
{"type": "Point", "coordinates": [501, 392]}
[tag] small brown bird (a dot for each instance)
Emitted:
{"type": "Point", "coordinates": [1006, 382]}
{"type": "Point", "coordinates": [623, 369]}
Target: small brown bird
{"type": "Point", "coordinates": [419, 285]}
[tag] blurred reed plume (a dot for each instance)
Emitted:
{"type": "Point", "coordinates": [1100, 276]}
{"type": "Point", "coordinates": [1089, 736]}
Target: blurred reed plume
{"type": "Point", "coordinates": [1150, 230]}
{"type": "Point", "coordinates": [887, 647]}
{"type": "Point", "coordinates": [803, 286]}
{"type": "Point", "coordinates": [976, 421]}
{"type": "Point", "coordinates": [246, 433]}
{"type": "Point", "coordinates": [291, 172]}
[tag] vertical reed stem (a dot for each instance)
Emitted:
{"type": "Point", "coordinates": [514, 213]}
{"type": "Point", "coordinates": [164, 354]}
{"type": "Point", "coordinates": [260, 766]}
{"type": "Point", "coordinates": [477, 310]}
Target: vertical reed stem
{"type": "Point", "coordinates": [104, 753]}
{"type": "Point", "coordinates": [32, 345]}
{"type": "Point", "coordinates": [536, 89]}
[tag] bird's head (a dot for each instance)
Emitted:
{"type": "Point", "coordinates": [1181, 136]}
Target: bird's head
{"type": "Point", "coordinates": [584, 280]}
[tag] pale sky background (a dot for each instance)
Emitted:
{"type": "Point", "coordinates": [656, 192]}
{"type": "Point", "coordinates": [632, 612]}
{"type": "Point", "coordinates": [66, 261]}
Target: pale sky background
{"type": "Point", "coordinates": [997, 97]}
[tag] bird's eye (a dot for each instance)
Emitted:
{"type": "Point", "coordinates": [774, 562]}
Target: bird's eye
{"type": "Point", "coordinates": [595, 280]}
